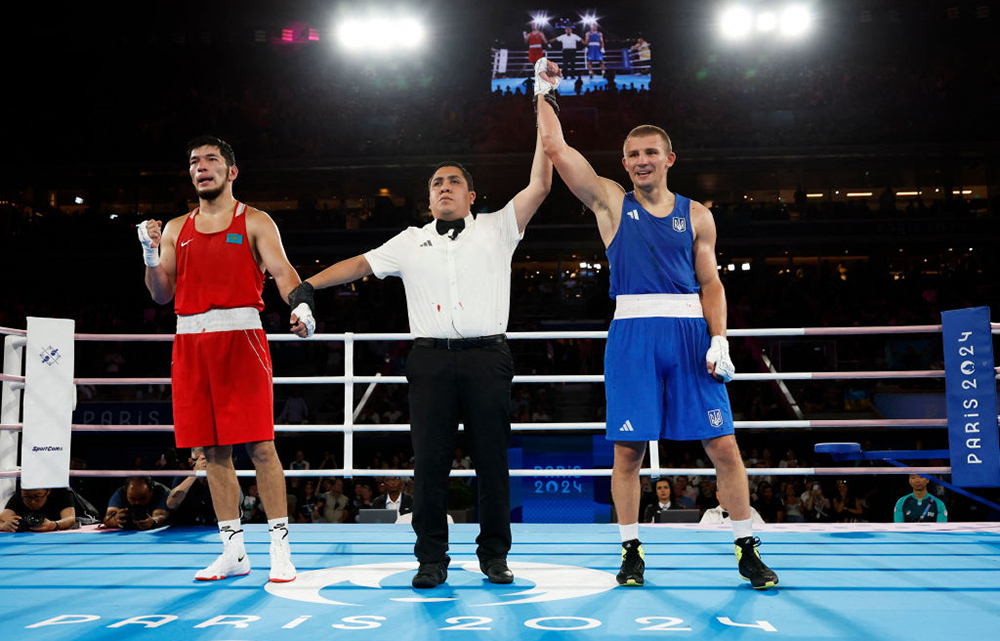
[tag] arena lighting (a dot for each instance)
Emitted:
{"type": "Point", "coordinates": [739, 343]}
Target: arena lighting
{"type": "Point", "coordinates": [736, 22]}
{"type": "Point", "coordinates": [539, 20]}
{"type": "Point", "coordinates": [766, 22]}
{"type": "Point", "coordinates": [745, 267]}
{"type": "Point", "coordinates": [380, 34]}
{"type": "Point", "coordinates": [859, 194]}
{"type": "Point", "coordinates": [795, 21]}
{"type": "Point", "coordinates": [814, 195]}
{"type": "Point", "coordinates": [588, 19]}
{"type": "Point", "coordinates": [907, 193]}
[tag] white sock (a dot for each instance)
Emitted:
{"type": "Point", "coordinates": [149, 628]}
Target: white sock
{"type": "Point", "coordinates": [628, 532]}
{"type": "Point", "coordinates": [278, 528]}
{"type": "Point", "coordinates": [231, 533]}
{"type": "Point", "coordinates": [742, 528]}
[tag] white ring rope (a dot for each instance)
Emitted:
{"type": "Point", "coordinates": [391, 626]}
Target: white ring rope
{"type": "Point", "coordinates": [348, 380]}
{"type": "Point", "coordinates": [646, 471]}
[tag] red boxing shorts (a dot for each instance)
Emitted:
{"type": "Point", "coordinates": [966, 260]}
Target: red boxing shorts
{"type": "Point", "coordinates": [222, 379]}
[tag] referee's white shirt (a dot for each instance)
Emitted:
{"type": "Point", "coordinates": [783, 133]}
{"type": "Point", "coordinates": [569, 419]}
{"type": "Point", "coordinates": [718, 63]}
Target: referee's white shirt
{"type": "Point", "coordinates": [454, 288]}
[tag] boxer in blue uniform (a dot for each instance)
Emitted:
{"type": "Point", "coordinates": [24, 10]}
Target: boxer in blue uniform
{"type": "Point", "coordinates": [667, 357]}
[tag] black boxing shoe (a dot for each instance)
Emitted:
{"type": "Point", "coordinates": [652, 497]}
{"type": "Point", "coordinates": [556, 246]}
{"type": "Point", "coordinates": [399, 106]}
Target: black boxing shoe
{"type": "Point", "coordinates": [751, 567]}
{"type": "Point", "coordinates": [497, 571]}
{"type": "Point", "coordinates": [633, 564]}
{"type": "Point", "coordinates": [431, 575]}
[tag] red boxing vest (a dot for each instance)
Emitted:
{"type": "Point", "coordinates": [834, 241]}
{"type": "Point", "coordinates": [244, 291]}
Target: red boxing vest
{"type": "Point", "coordinates": [217, 270]}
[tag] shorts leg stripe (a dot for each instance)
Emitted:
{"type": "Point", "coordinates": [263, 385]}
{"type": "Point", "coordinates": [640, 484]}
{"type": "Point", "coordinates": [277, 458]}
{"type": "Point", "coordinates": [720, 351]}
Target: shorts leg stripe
{"type": "Point", "coordinates": [256, 352]}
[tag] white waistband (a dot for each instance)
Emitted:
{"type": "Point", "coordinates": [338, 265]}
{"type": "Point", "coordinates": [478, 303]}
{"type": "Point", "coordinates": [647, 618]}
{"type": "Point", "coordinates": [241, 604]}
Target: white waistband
{"type": "Point", "coordinates": [653, 305]}
{"type": "Point", "coordinates": [219, 320]}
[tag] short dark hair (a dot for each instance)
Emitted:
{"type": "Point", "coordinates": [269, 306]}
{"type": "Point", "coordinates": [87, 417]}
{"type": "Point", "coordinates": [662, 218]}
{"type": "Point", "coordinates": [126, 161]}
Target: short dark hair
{"type": "Point", "coordinates": [448, 163]}
{"type": "Point", "coordinates": [211, 141]}
{"type": "Point", "coordinates": [649, 130]}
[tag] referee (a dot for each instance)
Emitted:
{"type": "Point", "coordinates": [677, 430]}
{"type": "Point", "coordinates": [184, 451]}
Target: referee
{"type": "Point", "coordinates": [456, 273]}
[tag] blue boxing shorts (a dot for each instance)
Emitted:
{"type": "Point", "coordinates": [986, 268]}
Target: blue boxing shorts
{"type": "Point", "coordinates": [656, 382]}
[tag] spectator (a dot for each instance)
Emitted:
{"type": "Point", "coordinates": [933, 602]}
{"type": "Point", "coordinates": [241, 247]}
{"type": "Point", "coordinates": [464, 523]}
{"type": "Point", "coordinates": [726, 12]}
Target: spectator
{"type": "Point", "coordinates": [362, 497]}
{"type": "Point", "coordinates": [253, 509]}
{"type": "Point", "coordinates": [140, 504]}
{"type": "Point", "coordinates": [461, 460]}
{"type": "Point", "coordinates": [334, 502]}
{"type": "Point", "coordinates": [793, 504]}
{"type": "Point", "coordinates": [329, 461]}
{"type": "Point", "coordinates": [719, 514]}
{"type": "Point", "coordinates": [300, 462]}
{"type": "Point", "coordinates": [295, 410]}
{"type": "Point", "coordinates": [664, 501]}
{"type": "Point", "coordinates": [394, 497]}
{"type": "Point", "coordinates": [768, 505]}
{"type": "Point", "coordinates": [310, 505]}
{"type": "Point", "coordinates": [39, 510]}
{"type": "Point", "coordinates": [919, 506]}
{"type": "Point", "coordinates": [816, 506]}
{"type": "Point", "coordinates": [846, 506]}
{"type": "Point", "coordinates": [681, 496]}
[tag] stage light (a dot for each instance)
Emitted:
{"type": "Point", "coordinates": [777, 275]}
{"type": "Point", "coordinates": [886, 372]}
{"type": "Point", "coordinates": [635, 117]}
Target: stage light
{"type": "Point", "coordinates": [380, 34]}
{"type": "Point", "coordinates": [795, 21]}
{"type": "Point", "coordinates": [539, 20]}
{"type": "Point", "coordinates": [588, 20]}
{"type": "Point", "coordinates": [766, 22]}
{"type": "Point", "coordinates": [736, 22]}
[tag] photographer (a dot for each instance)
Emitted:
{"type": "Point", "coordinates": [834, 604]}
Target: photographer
{"type": "Point", "coordinates": [190, 501]}
{"type": "Point", "coordinates": [141, 504]}
{"type": "Point", "coordinates": [44, 510]}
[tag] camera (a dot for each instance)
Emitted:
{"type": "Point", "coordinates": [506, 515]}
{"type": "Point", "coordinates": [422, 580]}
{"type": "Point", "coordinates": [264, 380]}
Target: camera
{"type": "Point", "coordinates": [31, 520]}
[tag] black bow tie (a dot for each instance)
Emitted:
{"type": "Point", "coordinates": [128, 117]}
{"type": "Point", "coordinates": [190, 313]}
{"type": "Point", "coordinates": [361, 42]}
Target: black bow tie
{"type": "Point", "coordinates": [444, 226]}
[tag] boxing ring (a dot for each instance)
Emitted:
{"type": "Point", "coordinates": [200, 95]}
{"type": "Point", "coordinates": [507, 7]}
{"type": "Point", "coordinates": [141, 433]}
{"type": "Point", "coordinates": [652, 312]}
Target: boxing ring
{"type": "Point", "coordinates": [838, 581]}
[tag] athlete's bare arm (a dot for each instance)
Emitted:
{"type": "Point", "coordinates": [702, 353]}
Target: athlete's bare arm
{"type": "Point", "coordinates": [161, 281]}
{"type": "Point", "coordinates": [706, 270]}
{"type": "Point", "coordinates": [602, 196]}
{"type": "Point", "coordinates": [265, 241]}
{"type": "Point", "coordinates": [529, 199]}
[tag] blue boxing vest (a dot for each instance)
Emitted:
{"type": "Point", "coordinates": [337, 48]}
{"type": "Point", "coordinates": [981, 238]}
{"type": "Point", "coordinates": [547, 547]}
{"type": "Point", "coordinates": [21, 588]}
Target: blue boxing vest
{"type": "Point", "coordinates": [651, 255]}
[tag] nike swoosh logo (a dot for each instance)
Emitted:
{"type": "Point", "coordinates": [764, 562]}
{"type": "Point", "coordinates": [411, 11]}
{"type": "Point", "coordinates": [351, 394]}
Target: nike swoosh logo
{"type": "Point", "coordinates": [240, 560]}
{"type": "Point", "coordinates": [186, 242]}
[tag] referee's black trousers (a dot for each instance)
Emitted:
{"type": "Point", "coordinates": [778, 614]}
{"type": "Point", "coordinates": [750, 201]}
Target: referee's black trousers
{"type": "Point", "coordinates": [472, 386]}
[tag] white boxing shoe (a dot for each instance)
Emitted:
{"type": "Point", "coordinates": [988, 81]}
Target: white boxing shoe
{"type": "Point", "coordinates": [227, 565]}
{"type": "Point", "coordinates": [282, 570]}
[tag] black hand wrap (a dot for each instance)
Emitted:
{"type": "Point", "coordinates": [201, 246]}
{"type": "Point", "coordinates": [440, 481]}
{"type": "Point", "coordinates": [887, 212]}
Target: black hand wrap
{"type": "Point", "coordinates": [302, 294]}
{"type": "Point", "coordinates": [550, 97]}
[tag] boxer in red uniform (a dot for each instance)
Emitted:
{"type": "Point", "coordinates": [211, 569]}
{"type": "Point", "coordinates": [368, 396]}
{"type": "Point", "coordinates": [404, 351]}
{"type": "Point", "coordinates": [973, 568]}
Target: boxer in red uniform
{"type": "Point", "coordinates": [212, 262]}
{"type": "Point", "coordinates": [535, 39]}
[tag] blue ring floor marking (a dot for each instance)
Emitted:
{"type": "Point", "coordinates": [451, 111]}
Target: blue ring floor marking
{"type": "Point", "coordinates": [862, 581]}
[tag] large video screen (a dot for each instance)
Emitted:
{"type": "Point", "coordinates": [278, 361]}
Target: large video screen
{"type": "Point", "coordinates": [596, 52]}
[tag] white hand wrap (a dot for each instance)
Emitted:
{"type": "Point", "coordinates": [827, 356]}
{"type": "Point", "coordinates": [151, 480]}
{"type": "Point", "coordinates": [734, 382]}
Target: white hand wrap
{"type": "Point", "coordinates": [543, 86]}
{"type": "Point", "coordinates": [305, 316]}
{"type": "Point", "coordinates": [150, 254]}
{"type": "Point", "coordinates": [718, 355]}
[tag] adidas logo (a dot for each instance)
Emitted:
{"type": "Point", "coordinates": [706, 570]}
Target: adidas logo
{"type": "Point", "coordinates": [426, 243]}
{"type": "Point", "coordinates": [634, 214]}
{"type": "Point", "coordinates": [626, 427]}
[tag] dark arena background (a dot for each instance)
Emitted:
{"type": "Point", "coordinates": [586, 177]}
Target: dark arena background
{"type": "Point", "coordinates": [848, 153]}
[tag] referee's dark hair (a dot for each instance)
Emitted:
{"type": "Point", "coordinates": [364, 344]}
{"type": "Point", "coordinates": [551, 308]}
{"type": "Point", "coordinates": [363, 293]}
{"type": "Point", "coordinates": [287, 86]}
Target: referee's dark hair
{"type": "Point", "coordinates": [465, 173]}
